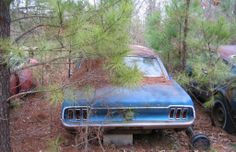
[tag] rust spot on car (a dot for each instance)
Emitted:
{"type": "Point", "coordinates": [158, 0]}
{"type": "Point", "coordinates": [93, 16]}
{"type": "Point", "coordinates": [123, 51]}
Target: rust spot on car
{"type": "Point", "coordinates": [153, 80]}
{"type": "Point", "coordinates": [142, 51]}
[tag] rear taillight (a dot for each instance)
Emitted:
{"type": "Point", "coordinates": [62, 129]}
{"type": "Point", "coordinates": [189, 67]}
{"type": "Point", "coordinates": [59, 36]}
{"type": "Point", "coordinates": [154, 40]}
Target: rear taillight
{"type": "Point", "coordinates": [172, 112]}
{"type": "Point", "coordinates": [184, 113]}
{"type": "Point", "coordinates": [85, 113]}
{"type": "Point", "coordinates": [70, 113]}
{"type": "Point", "coordinates": [178, 113]}
{"type": "Point", "coordinates": [76, 113]}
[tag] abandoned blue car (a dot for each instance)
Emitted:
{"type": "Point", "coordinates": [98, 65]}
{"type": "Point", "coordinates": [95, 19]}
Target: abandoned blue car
{"type": "Point", "coordinates": [159, 102]}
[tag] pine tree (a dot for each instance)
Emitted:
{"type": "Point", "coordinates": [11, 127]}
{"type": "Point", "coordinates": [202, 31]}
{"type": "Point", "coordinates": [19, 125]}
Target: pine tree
{"type": "Point", "coordinates": [186, 35]}
{"type": "Point", "coordinates": [4, 78]}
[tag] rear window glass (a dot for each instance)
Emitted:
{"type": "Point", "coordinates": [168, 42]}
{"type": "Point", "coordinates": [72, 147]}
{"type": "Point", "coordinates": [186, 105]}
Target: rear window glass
{"type": "Point", "coordinates": [148, 66]}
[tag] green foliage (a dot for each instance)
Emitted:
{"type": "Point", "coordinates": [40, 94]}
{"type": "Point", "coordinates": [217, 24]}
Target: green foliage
{"type": "Point", "coordinates": [126, 76]}
{"type": "Point", "coordinates": [182, 78]}
{"type": "Point", "coordinates": [165, 34]}
{"type": "Point", "coordinates": [216, 31]}
{"type": "Point", "coordinates": [209, 104]}
{"type": "Point", "coordinates": [5, 45]}
{"type": "Point", "coordinates": [129, 114]}
{"type": "Point", "coordinates": [153, 35]}
{"type": "Point", "coordinates": [207, 75]}
{"type": "Point", "coordinates": [227, 6]}
{"type": "Point", "coordinates": [218, 72]}
{"type": "Point", "coordinates": [86, 31]}
{"type": "Point", "coordinates": [98, 31]}
{"type": "Point", "coordinates": [16, 103]}
{"type": "Point", "coordinates": [56, 95]}
{"type": "Point", "coordinates": [205, 35]}
{"type": "Point", "coordinates": [123, 75]}
{"type": "Point", "coordinates": [13, 55]}
{"type": "Point", "coordinates": [208, 68]}
{"type": "Point", "coordinates": [92, 32]}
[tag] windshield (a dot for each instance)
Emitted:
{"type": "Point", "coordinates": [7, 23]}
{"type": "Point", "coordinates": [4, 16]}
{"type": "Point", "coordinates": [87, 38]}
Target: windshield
{"type": "Point", "coordinates": [148, 66]}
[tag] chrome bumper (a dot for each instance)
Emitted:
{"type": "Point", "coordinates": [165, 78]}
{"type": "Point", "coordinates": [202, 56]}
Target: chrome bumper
{"type": "Point", "coordinates": [157, 125]}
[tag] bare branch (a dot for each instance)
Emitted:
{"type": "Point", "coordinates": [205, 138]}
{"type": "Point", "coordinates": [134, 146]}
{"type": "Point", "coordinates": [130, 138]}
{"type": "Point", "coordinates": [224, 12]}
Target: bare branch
{"type": "Point", "coordinates": [29, 17]}
{"type": "Point", "coordinates": [32, 29]}
{"type": "Point", "coordinates": [41, 63]}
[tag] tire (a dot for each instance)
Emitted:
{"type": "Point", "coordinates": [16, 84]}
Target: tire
{"type": "Point", "coordinates": [221, 117]}
{"type": "Point", "coordinates": [200, 142]}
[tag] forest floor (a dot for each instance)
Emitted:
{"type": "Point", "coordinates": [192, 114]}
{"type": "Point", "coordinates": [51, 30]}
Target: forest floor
{"type": "Point", "coordinates": [35, 125]}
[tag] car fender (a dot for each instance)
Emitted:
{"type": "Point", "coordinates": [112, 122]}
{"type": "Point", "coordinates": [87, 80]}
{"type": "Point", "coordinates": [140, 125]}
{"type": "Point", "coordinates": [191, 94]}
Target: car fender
{"type": "Point", "coordinates": [231, 112]}
{"type": "Point", "coordinates": [25, 80]}
{"type": "Point", "coordinates": [222, 91]}
{"type": "Point", "coordinates": [14, 81]}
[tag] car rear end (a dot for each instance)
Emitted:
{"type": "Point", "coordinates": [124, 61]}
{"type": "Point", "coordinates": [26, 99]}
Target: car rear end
{"type": "Point", "coordinates": [144, 117]}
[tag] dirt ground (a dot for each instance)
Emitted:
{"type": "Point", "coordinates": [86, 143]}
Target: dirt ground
{"type": "Point", "coordinates": [34, 125]}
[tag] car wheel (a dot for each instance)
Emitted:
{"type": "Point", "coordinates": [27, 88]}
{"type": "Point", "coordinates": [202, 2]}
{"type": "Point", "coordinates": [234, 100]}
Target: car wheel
{"type": "Point", "coordinates": [200, 142]}
{"type": "Point", "coordinates": [221, 117]}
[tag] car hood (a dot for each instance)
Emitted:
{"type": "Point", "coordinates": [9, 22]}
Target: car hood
{"type": "Point", "coordinates": [150, 95]}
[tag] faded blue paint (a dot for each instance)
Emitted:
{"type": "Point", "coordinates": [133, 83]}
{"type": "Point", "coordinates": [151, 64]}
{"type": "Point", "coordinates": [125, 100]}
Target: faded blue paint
{"type": "Point", "coordinates": [155, 95]}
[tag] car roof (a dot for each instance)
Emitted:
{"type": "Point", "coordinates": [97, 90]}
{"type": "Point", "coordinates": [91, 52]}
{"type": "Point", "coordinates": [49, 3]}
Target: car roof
{"type": "Point", "coordinates": [227, 51]}
{"type": "Point", "coordinates": [138, 50]}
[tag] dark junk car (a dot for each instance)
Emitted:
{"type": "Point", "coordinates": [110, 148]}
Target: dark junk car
{"type": "Point", "coordinates": [223, 109]}
{"type": "Point", "coordinates": [228, 54]}
{"type": "Point", "coordinates": [159, 103]}
{"type": "Point", "coordinates": [224, 106]}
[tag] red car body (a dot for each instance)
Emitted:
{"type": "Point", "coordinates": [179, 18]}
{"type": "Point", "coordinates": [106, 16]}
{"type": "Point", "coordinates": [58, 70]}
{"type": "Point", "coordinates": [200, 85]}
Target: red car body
{"type": "Point", "coordinates": [227, 52]}
{"type": "Point", "coordinates": [22, 80]}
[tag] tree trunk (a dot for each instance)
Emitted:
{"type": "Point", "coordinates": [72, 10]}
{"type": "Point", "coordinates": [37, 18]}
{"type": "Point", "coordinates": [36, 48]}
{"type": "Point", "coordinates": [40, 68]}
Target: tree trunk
{"type": "Point", "coordinates": [4, 79]}
{"type": "Point", "coordinates": [184, 51]}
